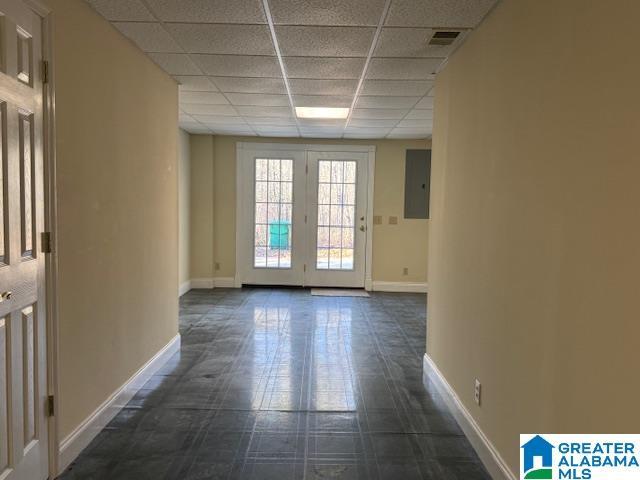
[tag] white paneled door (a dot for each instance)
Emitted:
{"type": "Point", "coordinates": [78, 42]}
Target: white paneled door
{"type": "Point", "coordinates": [303, 217]}
{"type": "Point", "coordinates": [337, 214]}
{"type": "Point", "coordinates": [23, 367]}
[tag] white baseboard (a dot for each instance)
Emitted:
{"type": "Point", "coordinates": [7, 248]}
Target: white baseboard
{"type": "Point", "coordinates": [488, 454]}
{"type": "Point", "coordinates": [184, 288]}
{"type": "Point", "coordinates": [368, 284]}
{"type": "Point", "coordinates": [206, 282]}
{"type": "Point", "coordinates": [79, 439]}
{"type": "Point", "coordinates": [407, 287]}
{"type": "Point", "coordinates": [225, 282]}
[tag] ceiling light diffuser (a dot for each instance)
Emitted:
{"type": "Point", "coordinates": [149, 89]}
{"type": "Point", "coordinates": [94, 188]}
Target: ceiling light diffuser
{"type": "Point", "coordinates": [321, 112]}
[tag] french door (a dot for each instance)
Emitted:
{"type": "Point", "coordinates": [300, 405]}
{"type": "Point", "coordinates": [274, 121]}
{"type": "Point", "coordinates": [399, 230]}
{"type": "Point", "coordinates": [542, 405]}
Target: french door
{"type": "Point", "coordinates": [337, 213]}
{"type": "Point", "coordinates": [273, 232]}
{"type": "Point", "coordinates": [303, 217]}
{"type": "Point", "coordinates": [23, 367]}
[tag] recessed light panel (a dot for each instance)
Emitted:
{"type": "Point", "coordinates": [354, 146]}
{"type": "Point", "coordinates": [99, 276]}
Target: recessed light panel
{"type": "Point", "coordinates": [321, 112]}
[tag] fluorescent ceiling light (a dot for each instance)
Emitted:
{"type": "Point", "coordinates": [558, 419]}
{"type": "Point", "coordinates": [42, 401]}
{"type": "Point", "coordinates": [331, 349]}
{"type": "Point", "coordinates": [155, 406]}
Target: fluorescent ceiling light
{"type": "Point", "coordinates": [321, 112]}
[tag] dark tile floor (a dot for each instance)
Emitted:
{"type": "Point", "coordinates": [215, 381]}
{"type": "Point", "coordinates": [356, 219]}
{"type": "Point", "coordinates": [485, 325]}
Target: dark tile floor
{"type": "Point", "coordinates": [277, 384]}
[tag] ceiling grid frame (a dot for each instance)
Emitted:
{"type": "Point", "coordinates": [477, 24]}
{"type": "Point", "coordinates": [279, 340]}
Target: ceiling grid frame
{"type": "Point", "coordinates": [231, 83]}
{"type": "Point", "coordinates": [372, 48]}
{"type": "Point", "coordinates": [276, 46]}
{"type": "Point", "coordinates": [162, 24]}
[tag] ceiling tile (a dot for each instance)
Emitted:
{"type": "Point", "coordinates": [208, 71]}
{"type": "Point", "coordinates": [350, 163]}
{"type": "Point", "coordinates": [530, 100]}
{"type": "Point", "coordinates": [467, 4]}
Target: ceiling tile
{"type": "Point", "coordinates": [124, 10]}
{"type": "Point", "coordinates": [188, 122]}
{"type": "Point", "coordinates": [409, 133]}
{"type": "Point", "coordinates": [324, 68]}
{"type": "Point", "coordinates": [223, 39]}
{"type": "Point", "coordinates": [205, 98]}
{"type": "Point", "coordinates": [258, 99]}
{"type": "Point", "coordinates": [238, 65]}
{"type": "Point", "coordinates": [197, 109]}
{"type": "Point", "coordinates": [219, 120]}
{"type": "Point", "coordinates": [317, 123]}
{"type": "Point", "coordinates": [256, 111]}
{"type": "Point", "coordinates": [209, 11]}
{"type": "Point", "coordinates": [386, 102]}
{"type": "Point", "coordinates": [418, 114]}
{"type": "Point", "coordinates": [150, 37]}
{"type": "Point", "coordinates": [271, 121]}
{"type": "Point", "coordinates": [379, 113]}
{"type": "Point", "coordinates": [366, 132]}
{"type": "Point", "coordinates": [412, 43]}
{"type": "Point", "coordinates": [250, 85]}
{"type": "Point", "coordinates": [409, 88]}
{"type": "Point", "coordinates": [438, 13]}
{"type": "Point", "coordinates": [402, 68]}
{"type": "Point", "coordinates": [426, 102]}
{"type": "Point", "coordinates": [321, 133]}
{"type": "Point", "coordinates": [183, 117]}
{"type": "Point", "coordinates": [324, 41]}
{"type": "Point", "coordinates": [175, 63]}
{"type": "Point", "coordinates": [372, 122]}
{"type": "Point", "coordinates": [327, 12]}
{"type": "Point", "coordinates": [196, 129]}
{"type": "Point", "coordinates": [322, 101]}
{"type": "Point", "coordinates": [415, 123]}
{"type": "Point", "coordinates": [322, 87]}
{"type": "Point", "coordinates": [276, 131]}
{"type": "Point", "coordinates": [233, 130]}
{"type": "Point", "coordinates": [195, 83]}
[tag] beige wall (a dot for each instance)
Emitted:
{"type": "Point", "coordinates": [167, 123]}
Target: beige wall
{"type": "Point", "coordinates": [117, 204]}
{"type": "Point", "coordinates": [202, 190]}
{"type": "Point", "coordinates": [394, 246]}
{"type": "Point", "coordinates": [534, 258]}
{"type": "Point", "coordinates": [184, 207]}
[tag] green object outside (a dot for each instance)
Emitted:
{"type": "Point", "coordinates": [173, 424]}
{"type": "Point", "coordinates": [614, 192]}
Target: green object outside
{"type": "Point", "coordinates": [279, 235]}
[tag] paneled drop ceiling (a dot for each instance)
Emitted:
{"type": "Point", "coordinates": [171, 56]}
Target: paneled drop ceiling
{"type": "Point", "coordinates": [244, 65]}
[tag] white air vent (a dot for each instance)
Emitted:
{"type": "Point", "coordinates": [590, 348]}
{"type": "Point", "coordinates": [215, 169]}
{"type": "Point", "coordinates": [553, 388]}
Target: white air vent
{"type": "Point", "coordinates": [443, 38]}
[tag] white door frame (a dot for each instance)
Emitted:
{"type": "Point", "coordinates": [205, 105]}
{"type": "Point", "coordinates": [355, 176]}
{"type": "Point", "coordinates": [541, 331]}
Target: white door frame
{"type": "Point", "coordinates": [51, 226]}
{"type": "Point", "coordinates": [294, 274]}
{"type": "Point", "coordinates": [241, 211]}
{"type": "Point", "coordinates": [353, 277]}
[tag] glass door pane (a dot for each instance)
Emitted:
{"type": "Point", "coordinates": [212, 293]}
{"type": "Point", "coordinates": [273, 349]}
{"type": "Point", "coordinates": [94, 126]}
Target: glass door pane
{"type": "Point", "coordinates": [336, 214]}
{"type": "Point", "coordinates": [273, 222]}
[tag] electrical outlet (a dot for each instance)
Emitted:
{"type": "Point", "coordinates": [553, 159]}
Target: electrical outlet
{"type": "Point", "coordinates": [477, 391]}
{"type": "Point", "coordinates": [217, 266]}
{"type": "Point", "coordinates": [405, 271]}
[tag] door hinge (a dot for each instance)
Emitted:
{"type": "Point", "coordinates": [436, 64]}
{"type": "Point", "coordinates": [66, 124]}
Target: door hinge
{"type": "Point", "coordinates": [305, 219]}
{"type": "Point", "coordinates": [51, 406]}
{"type": "Point", "coordinates": [306, 169]}
{"type": "Point", "coordinates": [45, 241]}
{"type": "Point", "coordinates": [45, 71]}
{"type": "Point", "coordinates": [304, 268]}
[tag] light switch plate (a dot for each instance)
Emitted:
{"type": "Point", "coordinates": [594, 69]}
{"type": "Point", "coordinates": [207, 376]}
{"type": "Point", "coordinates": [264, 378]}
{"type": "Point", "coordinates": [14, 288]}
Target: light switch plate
{"type": "Point", "coordinates": [393, 220]}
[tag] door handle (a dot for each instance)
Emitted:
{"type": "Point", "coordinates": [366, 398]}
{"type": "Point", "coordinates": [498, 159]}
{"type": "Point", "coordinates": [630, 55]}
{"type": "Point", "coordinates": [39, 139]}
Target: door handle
{"type": "Point", "coordinates": [4, 296]}
{"type": "Point", "coordinates": [362, 229]}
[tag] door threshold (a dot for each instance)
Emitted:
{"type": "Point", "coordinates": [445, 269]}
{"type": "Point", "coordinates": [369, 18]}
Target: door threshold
{"type": "Point", "coordinates": [272, 285]}
{"type": "Point", "coordinates": [339, 292]}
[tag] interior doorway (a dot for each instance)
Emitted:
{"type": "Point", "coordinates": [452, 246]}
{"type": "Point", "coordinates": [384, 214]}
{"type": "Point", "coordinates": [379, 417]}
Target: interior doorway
{"type": "Point", "coordinates": [27, 436]}
{"type": "Point", "coordinates": [304, 214]}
